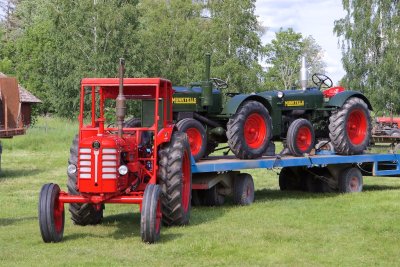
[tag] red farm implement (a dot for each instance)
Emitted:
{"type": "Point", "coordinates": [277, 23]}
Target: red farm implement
{"type": "Point", "coordinates": [137, 161]}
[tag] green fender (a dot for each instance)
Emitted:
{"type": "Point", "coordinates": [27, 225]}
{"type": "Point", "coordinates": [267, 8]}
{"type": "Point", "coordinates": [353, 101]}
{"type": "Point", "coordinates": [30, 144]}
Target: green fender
{"type": "Point", "coordinates": [234, 103]}
{"type": "Point", "coordinates": [339, 99]}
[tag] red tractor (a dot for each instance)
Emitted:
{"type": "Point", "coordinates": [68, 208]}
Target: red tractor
{"type": "Point", "coordinates": [143, 162]}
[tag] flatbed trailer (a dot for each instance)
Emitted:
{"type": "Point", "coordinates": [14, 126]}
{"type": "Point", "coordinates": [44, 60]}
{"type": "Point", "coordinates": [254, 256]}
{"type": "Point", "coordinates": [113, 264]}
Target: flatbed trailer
{"type": "Point", "coordinates": [219, 176]}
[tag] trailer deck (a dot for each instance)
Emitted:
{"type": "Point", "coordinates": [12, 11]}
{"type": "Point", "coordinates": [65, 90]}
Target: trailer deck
{"type": "Point", "coordinates": [231, 163]}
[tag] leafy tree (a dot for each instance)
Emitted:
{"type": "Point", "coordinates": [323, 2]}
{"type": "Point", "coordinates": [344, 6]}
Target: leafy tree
{"type": "Point", "coordinates": [370, 43]}
{"type": "Point", "coordinates": [283, 56]}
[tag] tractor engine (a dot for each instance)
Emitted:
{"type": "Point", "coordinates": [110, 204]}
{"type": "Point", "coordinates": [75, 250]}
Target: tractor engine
{"type": "Point", "coordinates": [107, 164]}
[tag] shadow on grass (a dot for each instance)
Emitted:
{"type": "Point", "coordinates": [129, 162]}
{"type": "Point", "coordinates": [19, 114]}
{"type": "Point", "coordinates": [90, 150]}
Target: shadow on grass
{"type": "Point", "coordinates": [15, 173]}
{"type": "Point", "coordinates": [128, 225]}
{"type": "Point", "coordinates": [10, 221]}
{"type": "Point", "coordinates": [273, 194]}
{"type": "Point", "coordinates": [380, 187]}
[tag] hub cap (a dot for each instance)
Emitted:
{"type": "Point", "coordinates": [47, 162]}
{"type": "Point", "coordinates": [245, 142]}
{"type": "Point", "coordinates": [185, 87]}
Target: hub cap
{"type": "Point", "coordinates": [58, 216]}
{"type": "Point", "coordinates": [354, 184]}
{"type": "Point", "coordinates": [195, 140]}
{"type": "Point", "coordinates": [255, 130]}
{"type": "Point", "coordinates": [356, 126]}
{"type": "Point", "coordinates": [303, 138]}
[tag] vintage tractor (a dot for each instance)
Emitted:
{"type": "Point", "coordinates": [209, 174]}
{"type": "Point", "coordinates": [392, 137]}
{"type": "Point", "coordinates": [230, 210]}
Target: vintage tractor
{"type": "Point", "coordinates": [249, 122]}
{"type": "Point", "coordinates": [123, 163]}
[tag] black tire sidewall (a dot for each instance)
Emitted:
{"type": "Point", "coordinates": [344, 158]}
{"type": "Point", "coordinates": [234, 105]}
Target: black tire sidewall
{"type": "Point", "coordinates": [188, 123]}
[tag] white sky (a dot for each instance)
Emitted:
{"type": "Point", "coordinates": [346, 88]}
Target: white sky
{"type": "Point", "coordinates": [312, 17]}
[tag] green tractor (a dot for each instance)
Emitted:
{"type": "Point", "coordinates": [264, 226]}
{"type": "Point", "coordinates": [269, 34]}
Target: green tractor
{"type": "Point", "coordinates": [332, 116]}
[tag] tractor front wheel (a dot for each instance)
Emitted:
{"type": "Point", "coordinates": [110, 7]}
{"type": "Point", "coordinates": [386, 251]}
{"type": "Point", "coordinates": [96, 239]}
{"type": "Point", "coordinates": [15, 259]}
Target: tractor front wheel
{"type": "Point", "coordinates": [175, 177]}
{"type": "Point", "coordinates": [81, 214]}
{"type": "Point", "coordinates": [51, 214]}
{"type": "Point", "coordinates": [350, 127]}
{"type": "Point", "coordinates": [249, 130]}
{"type": "Point", "coordinates": [196, 135]}
{"type": "Point", "coordinates": [300, 137]}
{"type": "Point", "coordinates": [150, 219]}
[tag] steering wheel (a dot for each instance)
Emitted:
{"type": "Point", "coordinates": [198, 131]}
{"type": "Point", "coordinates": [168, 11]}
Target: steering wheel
{"type": "Point", "coordinates": [219, 83]}
{"type": "Point", "coordinates": [322, 80]}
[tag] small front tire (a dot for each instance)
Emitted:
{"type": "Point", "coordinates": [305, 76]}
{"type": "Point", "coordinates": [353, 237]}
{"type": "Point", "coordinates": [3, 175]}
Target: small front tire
{"type": "Point", "coordinates": [51, 214]}
{"type": "Point", "coordinates": [150, 220]}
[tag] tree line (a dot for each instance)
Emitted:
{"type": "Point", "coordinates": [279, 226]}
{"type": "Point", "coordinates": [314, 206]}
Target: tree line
{"type": "Point", "coordinates": [51, 44]}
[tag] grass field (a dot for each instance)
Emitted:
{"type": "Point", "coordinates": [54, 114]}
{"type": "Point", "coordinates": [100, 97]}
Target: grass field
{"type": "Point", "coordinates": [280, 228]}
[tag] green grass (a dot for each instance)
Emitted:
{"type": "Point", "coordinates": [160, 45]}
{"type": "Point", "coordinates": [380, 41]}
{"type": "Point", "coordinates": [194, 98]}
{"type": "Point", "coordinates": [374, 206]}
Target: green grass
{"type": "Point", "coordinates": [280, 228]}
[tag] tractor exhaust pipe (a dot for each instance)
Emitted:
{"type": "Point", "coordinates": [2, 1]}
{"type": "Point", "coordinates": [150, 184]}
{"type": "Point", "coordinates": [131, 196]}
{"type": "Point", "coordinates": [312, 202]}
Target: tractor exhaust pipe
{"type": "Point", "coordinates": [120, 101]}
{"type": "Point", "coordinates": [303, 73]}
{"type": "Point", "coordinates": [206, 95]}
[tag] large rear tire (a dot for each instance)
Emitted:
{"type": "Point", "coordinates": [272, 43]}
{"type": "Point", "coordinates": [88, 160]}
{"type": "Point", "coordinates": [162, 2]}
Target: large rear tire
{"type": "Point", "coordinates": [150, 219]}
{"type": "Point", "coordinates": [175, 178]}
{"type": "Point", "coordinates": [51, 214]}
{"type": "Point", "coordinates": [81, 214]}
{"type": "Point", "coordinates": [196, 135]}
{"type": "Point", "coordinates": [350, 127]}
{"type": "Point", "coordinates": [249, 130]}
{"type": "Point", "coordinates": [300, 137]}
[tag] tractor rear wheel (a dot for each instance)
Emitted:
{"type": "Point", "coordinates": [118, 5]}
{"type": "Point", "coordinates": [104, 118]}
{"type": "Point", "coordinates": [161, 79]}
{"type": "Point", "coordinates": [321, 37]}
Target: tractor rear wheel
{"type": "Point", "coordinates": [300, 137]}
{"type": "Point", "coordinates": [350, 127]}
{"type": "Point", "coordinates": [243, 190]}
{"type": "Point", "coordinates": [81, 214]}
{"type": "Point", "coordinates": [51, 214]}
{"type": "Point", "coordinates": [196, 135]}
{"type": "Point", "coordinates": [150, 219]}
{"type": "Point", "coordinates": [350, 181]}
{"type": "Point", "coordinates": [132, 123]}
{"type": "Point", "coordinates": [249, 130]}
{"type": "Point", "coordinates": [175, 178]}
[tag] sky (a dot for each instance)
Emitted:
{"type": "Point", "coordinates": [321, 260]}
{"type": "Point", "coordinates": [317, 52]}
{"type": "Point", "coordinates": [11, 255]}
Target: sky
{"type": "Point", "coordinates": [309, 17]}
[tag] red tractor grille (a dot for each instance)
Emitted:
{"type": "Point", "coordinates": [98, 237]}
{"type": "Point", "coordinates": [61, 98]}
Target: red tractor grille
{"type": "Point", "coordinates": [89, 159]}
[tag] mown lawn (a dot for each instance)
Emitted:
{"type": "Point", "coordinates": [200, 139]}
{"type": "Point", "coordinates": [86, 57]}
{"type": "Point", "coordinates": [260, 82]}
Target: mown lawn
{"type": "Point", "coordinates": [280, 228]}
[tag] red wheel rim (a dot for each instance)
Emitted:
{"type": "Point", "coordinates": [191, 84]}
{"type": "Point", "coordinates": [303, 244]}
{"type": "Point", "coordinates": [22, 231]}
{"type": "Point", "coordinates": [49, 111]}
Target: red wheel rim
{"type": "Point", "coordinates": [58, 216]}
{"type": "Point", "coordinates": [195, 140]}
{"type": "Point", "coordinates": [186, 182]}
{"type": "Point", "coordinates": [303, 138]}
{"type": "Point", "coordinates": [354, 184]}
{"type": "Point", "coordinates": [357, 126]}
{"type": "Point", "coordinates": [255, 130]}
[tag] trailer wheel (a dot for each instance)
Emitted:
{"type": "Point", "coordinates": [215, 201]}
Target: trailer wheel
{"type": "Point", "coordinates": [249, 130]}
{"type": "Point", "coordinates": [51, 214]}
{"type": "Point", "coordinates": [350, 127]}
{"type": "Point", "coordinates": [211, 197]}
{"type": "Point", "coordinates": [175, 177]}
{"type": "Point", "coordinates": [288, 180]}
{"type": "Point", "coordinates": [300, 137]}
{"type": "Point", "coordinates": [350, 181]}
{"type": "Point", "coordinates": [196, 135]}
{"type": "Point", "coordinates": [243, 190]}
{"type": "Point", "coordinates": [150, 219]}
{"type": "Point", "coordinates": [81, 214]}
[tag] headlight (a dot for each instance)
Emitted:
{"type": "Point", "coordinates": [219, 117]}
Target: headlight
{"type": "Point", "coordinates": [280, 94]}
{"type": "Point", "coordinates": [123, 170]}
{"type": "Point", "coordinates": [71, 169]}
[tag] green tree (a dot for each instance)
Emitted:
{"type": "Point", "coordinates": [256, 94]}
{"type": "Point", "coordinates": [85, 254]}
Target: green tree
{"type": "Point", "coordinates": [370, 43]}
{"type": "Point", "coordinates": [63, 41]}
{"type": "Point", "coordinates": [283, 56]}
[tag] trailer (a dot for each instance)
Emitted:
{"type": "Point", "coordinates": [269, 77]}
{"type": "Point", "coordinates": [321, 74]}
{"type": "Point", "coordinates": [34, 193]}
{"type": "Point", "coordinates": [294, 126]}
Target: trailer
{"type": "Point", "coordinates": [219, 176]}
